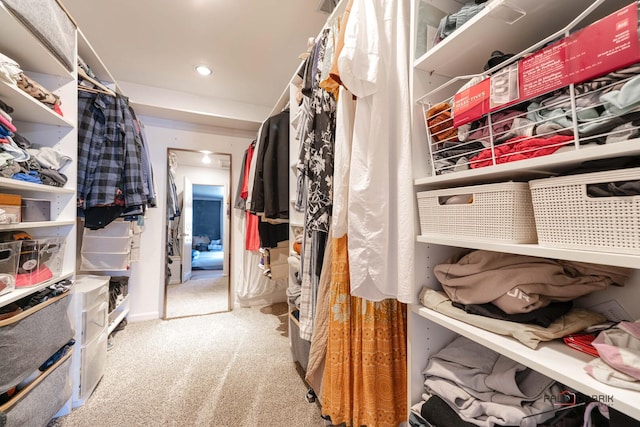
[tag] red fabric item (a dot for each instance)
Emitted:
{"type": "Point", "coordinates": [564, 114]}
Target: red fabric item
{"type": "Point", "coordinates": [251, 234]}
{"type": "Point", "coordinates": [252, 237]}
{"type": "Point", "coordinates": [56, 108]}
{"type": "Point", "coordinates": [520, 148]}
{"type": "Point", "coordinates": [244, 193]}
{"type": "Point", "coordinates": [42, 274]}
{"type": "Point", "coordinates": [7, 124]}
{"type": "Point", "coordinates": [582, 342]}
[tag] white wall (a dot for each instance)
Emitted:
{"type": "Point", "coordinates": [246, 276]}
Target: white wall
{"type": "Point", "coordinates": [146, 284]}
{"type": "Point", "coordinates": [201, 175]}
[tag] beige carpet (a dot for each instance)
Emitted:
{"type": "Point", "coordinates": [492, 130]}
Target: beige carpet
{"type": "Point", "coordinates": [206, 292]}
{"type": "Point", "coordinates": [226, 369]}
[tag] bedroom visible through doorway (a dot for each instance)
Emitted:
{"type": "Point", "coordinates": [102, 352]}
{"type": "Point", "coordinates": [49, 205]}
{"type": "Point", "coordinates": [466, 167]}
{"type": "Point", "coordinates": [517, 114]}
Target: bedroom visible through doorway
{"type": "Point", "coordinates": [198, 234]}
{"type": "Point", "coordinates": [208, 227]}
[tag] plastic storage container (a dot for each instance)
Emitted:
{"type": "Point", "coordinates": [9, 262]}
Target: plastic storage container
{"type": "Point", "coordinates": [10, 214]}
{"type": "Point", "coordinates": [40, 260]}
{"type": "Point", "coordinates": [114, 229]}
{"type": "Point", "coordinates": [106, 244]}
{"type": "Point", "coordinates": [9, 256]}
{"type": "Point", "coordinates": [108, 248]}
{"type": "Point", "coordinates": [93, 359]}
{"type": "Point", "coordinates": [103, 261]}
{"type": "Point", "coordinates": [569, 216]}
{"type": "Point", "coordinates": [93, 295]}
{"type": "Point", "coordinates": [499, 212]}
{"type": "Point", "coordinates": [92, 318]}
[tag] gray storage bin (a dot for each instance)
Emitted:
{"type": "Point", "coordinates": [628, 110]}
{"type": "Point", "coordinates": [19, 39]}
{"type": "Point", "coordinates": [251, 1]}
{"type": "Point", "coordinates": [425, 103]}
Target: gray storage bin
{"type": "Point", "coordinates": [35, 210]}
{"type": "Point", "coordinates": [299, 347]}
{"type": "Point", "coordinates": [40, 401]}
{"type": "Point", "coordinates": [28, 339]}
{"type": "Point", "coordinates": [51, 24]}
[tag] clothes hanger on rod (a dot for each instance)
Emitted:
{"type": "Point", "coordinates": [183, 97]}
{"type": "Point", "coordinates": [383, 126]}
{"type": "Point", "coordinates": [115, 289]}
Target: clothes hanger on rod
{"type": "Point", "coordinates": [94, 90]}
{"type": "Point", "coordinates": [84, 76]}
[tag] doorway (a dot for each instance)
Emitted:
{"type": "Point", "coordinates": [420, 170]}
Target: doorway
{"type": "Point", "coordinates": [197, 279]}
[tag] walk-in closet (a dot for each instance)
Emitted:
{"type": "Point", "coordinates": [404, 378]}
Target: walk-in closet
{"type": "Point", "coordinates": [338, 213]}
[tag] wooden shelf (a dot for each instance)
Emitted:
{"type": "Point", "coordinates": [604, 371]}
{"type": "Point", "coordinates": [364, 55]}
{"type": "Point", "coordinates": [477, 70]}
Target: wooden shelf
{"type": "Point", "coordinates": [553, 359]}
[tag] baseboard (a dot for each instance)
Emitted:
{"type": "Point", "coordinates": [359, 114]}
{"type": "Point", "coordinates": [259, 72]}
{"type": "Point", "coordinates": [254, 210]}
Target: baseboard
{"type": "Point", "coordinates": [139, 317]}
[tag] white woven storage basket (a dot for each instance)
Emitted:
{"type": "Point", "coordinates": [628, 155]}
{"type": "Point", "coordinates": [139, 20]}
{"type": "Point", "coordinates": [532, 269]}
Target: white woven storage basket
{"type": "Point", "coordinates": [500, 212]}
{"type": "Point", "coordinates": [567, 217]}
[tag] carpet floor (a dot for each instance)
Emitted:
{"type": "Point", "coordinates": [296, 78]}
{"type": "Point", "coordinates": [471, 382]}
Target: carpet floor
{"type": "Point", "coordinates": [206, 292]}
{"type": "Point", "coordinates": [221, 370]}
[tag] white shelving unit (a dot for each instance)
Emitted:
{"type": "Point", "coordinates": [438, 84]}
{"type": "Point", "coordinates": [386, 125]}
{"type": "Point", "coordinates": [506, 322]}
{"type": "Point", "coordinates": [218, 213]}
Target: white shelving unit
{"type": "Point", "coordinates": [511, 26]}
{"type": "Point", "coordinates": [20, 44]}
{"type": "Point", "coordinates": [553, 359]}
{"type": "Point", "coordinates": [43, 128]}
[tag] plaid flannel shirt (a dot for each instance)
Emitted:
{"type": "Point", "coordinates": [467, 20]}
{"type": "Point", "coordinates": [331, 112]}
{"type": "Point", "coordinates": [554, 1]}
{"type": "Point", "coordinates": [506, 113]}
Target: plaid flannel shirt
{"type": "Point", "coordinates": [108, 153]}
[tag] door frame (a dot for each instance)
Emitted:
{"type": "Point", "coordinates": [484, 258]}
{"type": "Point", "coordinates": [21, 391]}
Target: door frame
{"type": "Point", "coordinates": [228, 237]}
{"type": "Point", "coordinates": [186, 229]}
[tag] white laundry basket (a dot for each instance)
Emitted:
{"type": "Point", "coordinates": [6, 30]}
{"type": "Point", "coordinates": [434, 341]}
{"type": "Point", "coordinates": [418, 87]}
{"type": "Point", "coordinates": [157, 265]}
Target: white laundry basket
{"type": "Point", "coordinates": [567, 217]}
{"type": "Point", "coordinates": [498, 212]}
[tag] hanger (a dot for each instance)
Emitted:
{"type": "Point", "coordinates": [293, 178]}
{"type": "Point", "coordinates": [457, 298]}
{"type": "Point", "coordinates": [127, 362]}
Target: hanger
{"type": "Point", "coordinates": [83, 74]}
{"type": "Point", "coordinates": [94, 90]}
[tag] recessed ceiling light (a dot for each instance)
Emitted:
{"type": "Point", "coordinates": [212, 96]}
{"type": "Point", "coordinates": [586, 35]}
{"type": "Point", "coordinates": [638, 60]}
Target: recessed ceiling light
{"type": "Point", "coordinates": [206, 159]}
{"type": "Point", "coordinates": [203, 70]}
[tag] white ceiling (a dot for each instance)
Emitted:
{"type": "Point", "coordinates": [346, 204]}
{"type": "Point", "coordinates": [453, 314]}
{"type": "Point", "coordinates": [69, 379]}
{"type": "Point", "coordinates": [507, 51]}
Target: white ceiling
{"type": "Point", "coordinates": [251, 45]}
